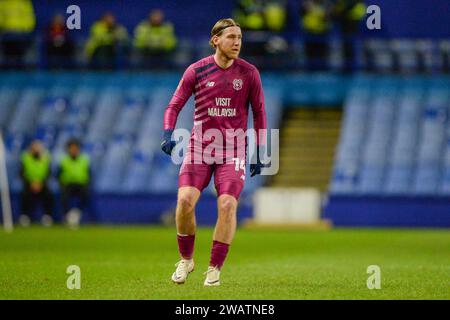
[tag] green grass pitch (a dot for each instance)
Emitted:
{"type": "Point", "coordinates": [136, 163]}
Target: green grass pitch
{"type": "Point", "coordinates": [137, 262]}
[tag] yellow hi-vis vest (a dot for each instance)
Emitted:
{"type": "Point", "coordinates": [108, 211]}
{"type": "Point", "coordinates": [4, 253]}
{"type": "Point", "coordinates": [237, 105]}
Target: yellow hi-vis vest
{"type": "Point", "coordinates": [315, 21]}
{"type": "Point", "coordinates": [357, 12]}
{"type": "Point", "coordinates": [253, 19]}
{"type": "Point", "coordinates": [102, 36]}
{"type": "Point", "coordinates": [275, 16]}
{"type": "Point", "coordinates": [35, 169]}
{"type": "Point", "coordinates": [74, 171]}
{"type": "Point", "coordinates": [17, 16]}
{"type": "Point", "coordinates": [161, 37]}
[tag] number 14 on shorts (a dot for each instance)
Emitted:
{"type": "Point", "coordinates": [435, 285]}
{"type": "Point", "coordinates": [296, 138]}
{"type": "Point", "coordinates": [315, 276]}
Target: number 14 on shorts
{"type": "Point", "coordinates": [239, 164]}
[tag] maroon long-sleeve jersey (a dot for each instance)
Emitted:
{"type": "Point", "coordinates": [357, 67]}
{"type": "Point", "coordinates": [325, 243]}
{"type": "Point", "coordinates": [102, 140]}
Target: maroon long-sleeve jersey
{"type": "Point", "coordinates": [222, 97]}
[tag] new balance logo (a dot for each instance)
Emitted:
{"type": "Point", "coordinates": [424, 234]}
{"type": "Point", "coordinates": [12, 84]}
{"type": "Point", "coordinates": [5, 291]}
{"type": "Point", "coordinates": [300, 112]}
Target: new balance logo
{"type": "Point", "coordinates": [210, 84]}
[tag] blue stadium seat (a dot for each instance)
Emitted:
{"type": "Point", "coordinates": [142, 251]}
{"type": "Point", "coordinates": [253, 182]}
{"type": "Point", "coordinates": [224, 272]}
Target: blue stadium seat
{"type": "Point", "coordinates": [8, 98]}
{"type": "Point", "coordinates": [111, 175]}
{"type": "Point", "coordinates": [445, 178]}
{"type": "Point", "coordinates": [393, 138]}
{"type": "Point", "coordinates": [401, 158]}
{"type": "Point", "coordinates": [138, 173]}
{"type": "Point", "coordinates": [372, 178]}
{"type": "Point", "coordinates": [164, 176]}
{"type": "Point", "coordinates": [105, 114]}
{"type": "Point", "coordinates": [52, 111]}
{"type": "Point", "coordinates": [129, 120]}
{"type": "Point", "coordinates": [445, 183]}
{"type": "Point", "coordinates": [95, 151]}
{"type": "Point", "coordinates": [23, 120]}
{"type": "Point", "coordinates": [15, 143]}
{"type": "Point", "coordinates": [352, 139]}
{"type": "Point", "coordinates": [83, 99]}
{"type": "Point", "coordinates": [427, 178]}
{"type": "Point", "coordinates": [343, 182]}
{"type": "Point", "coordinates": [381, 54]}
{"type": "Point", "coordinates": [149, 134]}
{"type": "Point", "coordinates": [12, 167]}
{"type": "Point", "coordinates": [398, 180]}
{"type": "Point", "coordinates": [379, 129]}
{"type": "Point", "coordinates": [274, 108]}
{"type": "Point", "coordinates": [433, 139]}
{"type": "Point", "coordinates": [407, 55]}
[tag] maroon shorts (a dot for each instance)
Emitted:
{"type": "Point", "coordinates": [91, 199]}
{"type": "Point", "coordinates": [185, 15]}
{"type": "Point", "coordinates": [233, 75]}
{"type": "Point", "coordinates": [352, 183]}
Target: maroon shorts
{"type": "Point", "coordinates": [229, 178]}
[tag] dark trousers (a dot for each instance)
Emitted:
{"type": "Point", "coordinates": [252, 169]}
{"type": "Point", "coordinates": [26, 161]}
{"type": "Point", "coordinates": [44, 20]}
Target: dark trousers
{"type": "Point", "coordinates": [149, 59]}
{"type": "Point", "coordinates": [14, 50]}
{"type": "Point", "coordinates": [349, 56]}
{"type": "Point", "coordinates": [316, 51]}
{"type": "Point", "coordinates": [104, 58]}
{"type": "Point", "coordinates": [60, 57]}
{"type": "Point", "coordinates": [72, 192]}
{"type": "Point", "coordinates": [30, 200]}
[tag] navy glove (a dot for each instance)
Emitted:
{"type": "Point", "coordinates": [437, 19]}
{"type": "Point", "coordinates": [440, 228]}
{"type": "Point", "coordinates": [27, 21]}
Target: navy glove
{"type": "Point", "coordinates": [168, 144]}
{"type": "Point", "coordinates": [255, 168]}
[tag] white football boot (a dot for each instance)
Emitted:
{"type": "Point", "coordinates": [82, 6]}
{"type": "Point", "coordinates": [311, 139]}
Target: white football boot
{"type": "Point", "coordinates": [212, 276]}
{"type": "Point", "coordinates": [73, 218]}
{"type": "Point", "coordinates": [184, 267]}
{"type": "Point", "coordinates": [24, 220]}
{"type": "Point", "coordinates": [47, 220]}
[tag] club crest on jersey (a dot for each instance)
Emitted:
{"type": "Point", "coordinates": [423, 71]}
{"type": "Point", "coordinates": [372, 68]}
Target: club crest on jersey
{"type": "Point", "coordinates": [237, 84]}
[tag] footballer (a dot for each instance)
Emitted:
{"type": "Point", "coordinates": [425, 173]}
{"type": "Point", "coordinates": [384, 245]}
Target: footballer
{"type": "Point", "coordinates": [223, 86]}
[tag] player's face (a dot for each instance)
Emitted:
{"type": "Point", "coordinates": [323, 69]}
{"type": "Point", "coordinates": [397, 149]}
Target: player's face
{"type": "Point", "coordinates": [229, 43]}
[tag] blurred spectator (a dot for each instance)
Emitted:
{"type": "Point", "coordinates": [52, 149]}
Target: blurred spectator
{"type": "Point", "coordinates": [74, 178]}
{"type": "Point", "coordinates": [444, 48]}
{"type": "Point", "coordinates": [349, 14]}
{"type": "Point", "coordinates": [260, 15]}
{"type": "Point", "coordinates": [155, 40]}
{"type": "Point", "coordinates": [107, 39]}
{"type": "Point", "coordinates": [316, 23]}
{"type": "Point", "coordinates": [262, 21]}
{"type": "Point", "coordinates": [35, 171]}
{"type": "Point", "coordinates": [17, 22]}
{"type": "Point", "coordinates": [58, 44]}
